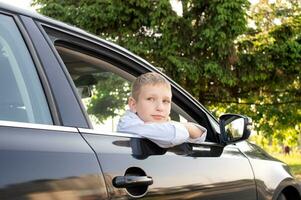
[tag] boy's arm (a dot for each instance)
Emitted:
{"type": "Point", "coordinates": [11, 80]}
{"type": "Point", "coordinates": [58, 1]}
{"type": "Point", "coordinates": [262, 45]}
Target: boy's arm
{"type": "Point", "coordinates": [197, 133]}
{"type": "Point", "coordinates": [163, 134]}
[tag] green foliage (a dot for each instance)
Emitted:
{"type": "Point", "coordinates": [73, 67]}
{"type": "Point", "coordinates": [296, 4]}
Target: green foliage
{"type": "Point", "coordinates": [210, 51]}
{"type": "Point", "coordinates": [109, 96]}
{"type": "Point", "coordinates": [270, 61]}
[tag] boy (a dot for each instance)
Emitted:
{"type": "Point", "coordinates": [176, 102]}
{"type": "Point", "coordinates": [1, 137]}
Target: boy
{"type": "Point", "coordinates": [150, 105]}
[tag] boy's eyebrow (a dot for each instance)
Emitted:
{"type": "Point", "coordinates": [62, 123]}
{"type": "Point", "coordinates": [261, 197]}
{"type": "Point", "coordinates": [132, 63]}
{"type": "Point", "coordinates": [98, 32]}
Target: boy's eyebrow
{"type": "Point", "coordinates": [153, 94]}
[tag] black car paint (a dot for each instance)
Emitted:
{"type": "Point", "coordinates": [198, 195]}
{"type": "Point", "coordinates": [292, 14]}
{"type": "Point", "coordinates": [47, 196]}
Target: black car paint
{"type": "Point", "coordinates": [190, 170]}
{"type": "Point", "coordinates": [57, 162]}
{"type": "Point", "coordinates": [47, 163]}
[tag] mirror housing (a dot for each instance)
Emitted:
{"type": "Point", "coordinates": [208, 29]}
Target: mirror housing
{"type": "Point", "coordinates": [234, 128]}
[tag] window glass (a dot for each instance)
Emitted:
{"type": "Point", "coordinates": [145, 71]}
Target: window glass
{"type": "Point", "coordinates": [22, 97]}
{"type": "Point", "coordinates": [103, 88]}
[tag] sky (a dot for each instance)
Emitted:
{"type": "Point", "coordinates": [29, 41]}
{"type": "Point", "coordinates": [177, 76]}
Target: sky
{"type": "Point", "coordinates": [19, 3]}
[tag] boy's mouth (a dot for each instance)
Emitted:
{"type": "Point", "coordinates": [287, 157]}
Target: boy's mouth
{"type": "Point", "coordinates": [158, 117]}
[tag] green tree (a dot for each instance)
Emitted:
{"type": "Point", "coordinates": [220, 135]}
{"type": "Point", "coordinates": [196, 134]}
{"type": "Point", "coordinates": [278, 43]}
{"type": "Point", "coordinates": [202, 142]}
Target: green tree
{"type": "Point", "coordinates": [270, 69]}
{"type": "Point", "coordinates": [194, 49]}
{"type": "Point", "coordinates": [110, 95]}
{"type": "Point", "coordinates": [209, 50]}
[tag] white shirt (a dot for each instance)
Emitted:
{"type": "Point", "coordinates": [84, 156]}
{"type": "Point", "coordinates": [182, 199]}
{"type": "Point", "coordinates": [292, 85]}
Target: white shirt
{"type": "Point", "coordinates": [165, 135]}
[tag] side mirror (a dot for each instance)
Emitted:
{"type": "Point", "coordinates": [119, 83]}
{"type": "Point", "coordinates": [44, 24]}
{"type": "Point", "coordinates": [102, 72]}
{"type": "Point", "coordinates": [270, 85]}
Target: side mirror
{"type": "Point", "coordinates": [234, 128]}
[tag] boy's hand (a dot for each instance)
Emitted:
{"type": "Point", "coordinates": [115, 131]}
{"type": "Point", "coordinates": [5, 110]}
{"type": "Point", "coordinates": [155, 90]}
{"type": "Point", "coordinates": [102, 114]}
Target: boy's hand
{"type": "Point", "coordinates": [194, 131]}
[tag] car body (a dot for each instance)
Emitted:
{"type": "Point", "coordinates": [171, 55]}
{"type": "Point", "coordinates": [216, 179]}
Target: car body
{"type": "Point", "coordinates": [55, 145]}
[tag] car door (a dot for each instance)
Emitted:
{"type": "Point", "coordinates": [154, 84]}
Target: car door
{"type": "Point", "coordinates": [41, 158]}
{"type": "Point", "coordinates": [135, 167]}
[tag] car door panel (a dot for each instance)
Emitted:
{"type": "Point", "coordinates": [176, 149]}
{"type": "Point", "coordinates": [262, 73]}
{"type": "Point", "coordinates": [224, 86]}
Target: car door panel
{"type": "Point", "coordinates": [190, 171]}
{"type": "Point", "coordinates": [41, 161]}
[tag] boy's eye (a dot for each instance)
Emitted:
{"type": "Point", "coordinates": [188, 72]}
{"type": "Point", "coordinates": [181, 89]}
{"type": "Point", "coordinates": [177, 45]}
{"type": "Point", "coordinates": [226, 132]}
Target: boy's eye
{"type": "Point", "coordinates": [150, 99]}
{"type": "Point", "coordinates": [166, 101]}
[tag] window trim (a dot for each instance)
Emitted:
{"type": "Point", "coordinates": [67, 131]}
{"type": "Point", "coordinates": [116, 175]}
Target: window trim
{"type": "Point", "coordinates": [14, 124]}
{"type": "Point", "coordinates": [197, 146]}
{"type": "Point", "coordinates": [108, 133]}
{"type": "Point", "coordinates": [40, 71]}
{"type": "Point", "coordinates": [68, 109]}
{"type": "Point", "coordinates": [66, 73]}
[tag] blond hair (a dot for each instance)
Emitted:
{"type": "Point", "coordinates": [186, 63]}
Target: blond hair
{"type": "Point", "coordinates": [150, 78]}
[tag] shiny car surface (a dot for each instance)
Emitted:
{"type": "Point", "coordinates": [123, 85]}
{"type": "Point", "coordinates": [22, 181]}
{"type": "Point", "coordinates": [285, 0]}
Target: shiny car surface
{"type": "Point", "coordinates": [55, 145]}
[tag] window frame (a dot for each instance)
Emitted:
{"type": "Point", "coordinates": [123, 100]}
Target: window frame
{"type": "Point", "coordinates": [64, 49]}
{"type": "Point", "coordinates": [118, 56]}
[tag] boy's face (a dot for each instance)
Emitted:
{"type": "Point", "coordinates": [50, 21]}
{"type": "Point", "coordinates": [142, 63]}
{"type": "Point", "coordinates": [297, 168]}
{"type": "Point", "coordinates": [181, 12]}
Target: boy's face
{"type": "Point", "coordinates": [153, 103]}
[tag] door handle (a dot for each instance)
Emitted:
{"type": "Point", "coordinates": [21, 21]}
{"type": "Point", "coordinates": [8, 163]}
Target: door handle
{"type": "Point", "coordinates": [132, 181]}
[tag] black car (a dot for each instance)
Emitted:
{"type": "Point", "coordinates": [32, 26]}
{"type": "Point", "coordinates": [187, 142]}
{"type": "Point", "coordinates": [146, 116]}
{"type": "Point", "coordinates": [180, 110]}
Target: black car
{"type": "Point", "coordinates": [62, 92]}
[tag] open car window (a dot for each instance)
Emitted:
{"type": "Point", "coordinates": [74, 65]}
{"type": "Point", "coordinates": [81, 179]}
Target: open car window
{"type": "Point", "coordinates": [103, 88]}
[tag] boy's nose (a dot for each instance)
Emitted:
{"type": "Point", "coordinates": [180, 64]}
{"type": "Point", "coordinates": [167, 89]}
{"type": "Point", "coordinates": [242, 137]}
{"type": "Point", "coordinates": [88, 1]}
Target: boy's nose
{"type": "Point", "coordinates": [159, 105]}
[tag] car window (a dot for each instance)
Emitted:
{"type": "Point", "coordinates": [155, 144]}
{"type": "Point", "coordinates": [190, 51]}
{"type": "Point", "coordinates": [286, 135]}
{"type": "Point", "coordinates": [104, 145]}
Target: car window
{"type": "Point", "coordinates": [104, 88]}
{"type": "Point", "coordinates": [22, 97]}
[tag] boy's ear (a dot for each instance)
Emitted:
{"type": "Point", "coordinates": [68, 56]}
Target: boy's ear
{"type": "Point", "coordinates": [132, 104]}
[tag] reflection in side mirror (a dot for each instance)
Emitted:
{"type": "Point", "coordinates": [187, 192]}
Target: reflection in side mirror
{"type": "Point", "coordinates": [234, 128]}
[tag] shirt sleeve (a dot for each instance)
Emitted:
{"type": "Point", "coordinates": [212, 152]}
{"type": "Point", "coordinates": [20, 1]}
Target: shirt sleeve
{"type": "Point", "coordinates": [199, 139]}
{"type": "Point", "coordinates": [163, 134]}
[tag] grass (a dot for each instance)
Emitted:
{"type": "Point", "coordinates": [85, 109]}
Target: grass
{"type": "Point", "coordinates": [293, 159]}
